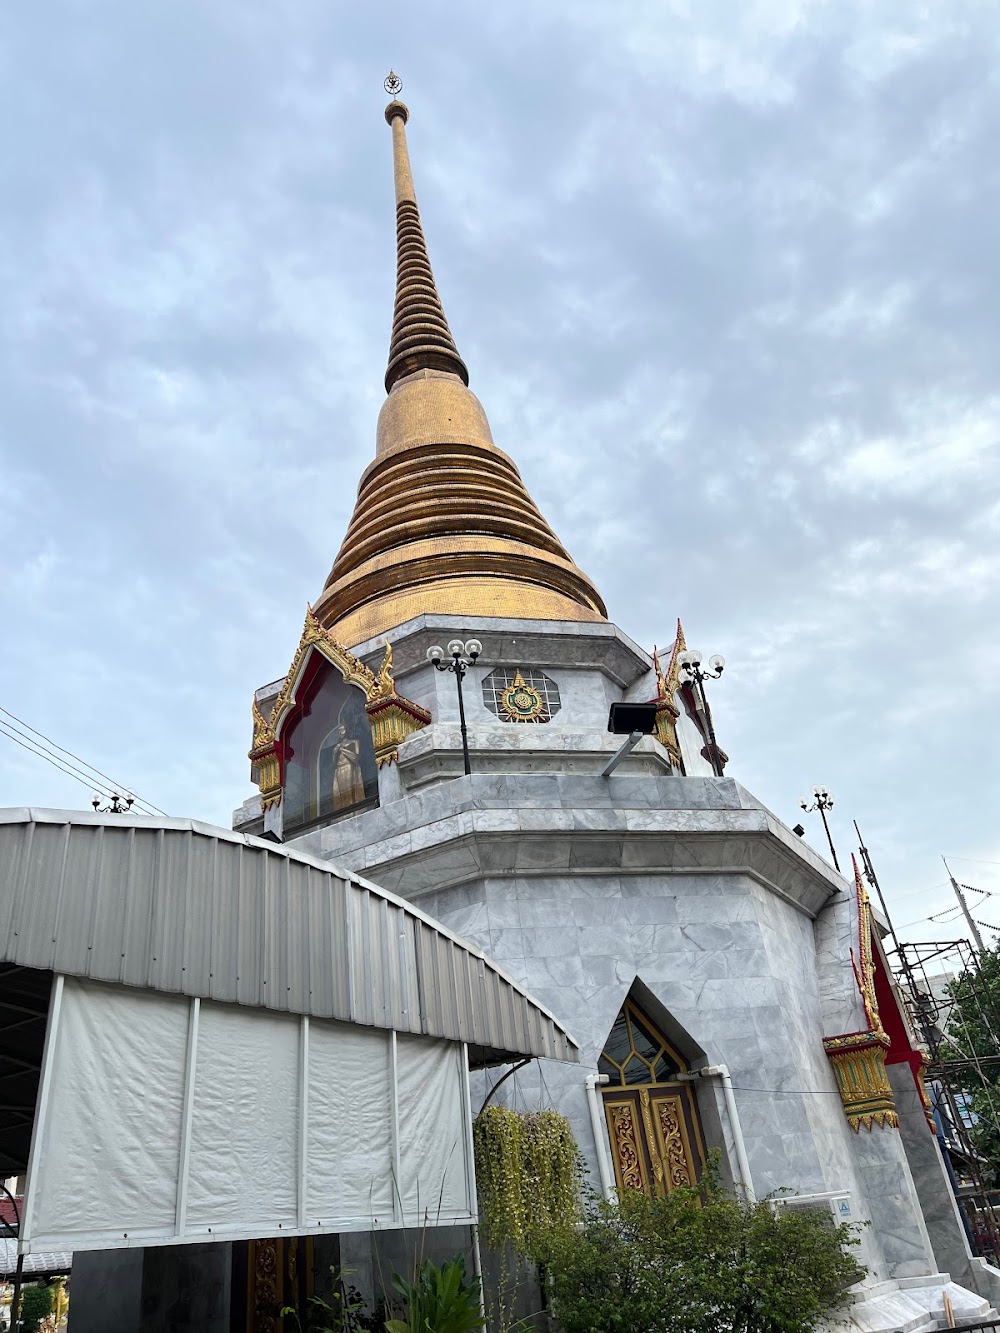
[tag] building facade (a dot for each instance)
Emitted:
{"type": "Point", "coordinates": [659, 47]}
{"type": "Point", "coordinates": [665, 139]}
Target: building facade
{"type": "Point", "coordinates": [724, 984]}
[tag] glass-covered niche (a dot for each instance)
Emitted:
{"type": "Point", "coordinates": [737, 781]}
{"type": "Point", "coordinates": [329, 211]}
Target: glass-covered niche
{"type": "Point", "coordinates": [329, 756]}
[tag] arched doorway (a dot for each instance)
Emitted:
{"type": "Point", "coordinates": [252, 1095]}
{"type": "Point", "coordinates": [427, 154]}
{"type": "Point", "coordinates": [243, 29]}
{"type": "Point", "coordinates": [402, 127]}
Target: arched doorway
{"type": "Point", "coordinates": [656, 1137]}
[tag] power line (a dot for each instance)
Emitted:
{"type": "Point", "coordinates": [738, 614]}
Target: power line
{"type": "Point", "coordinates": [792, 1092]}
{"type": "Point", "coordinates": [83, 774]}
{"type": "Point", "coordinates": [42, 754]}
{"type": "Point", "coordinates": [62, 749]}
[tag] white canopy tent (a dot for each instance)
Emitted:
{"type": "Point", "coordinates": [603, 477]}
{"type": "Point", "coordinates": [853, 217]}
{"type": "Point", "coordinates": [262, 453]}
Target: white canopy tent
{"type": "Point", "coordinates": [201, 1098]}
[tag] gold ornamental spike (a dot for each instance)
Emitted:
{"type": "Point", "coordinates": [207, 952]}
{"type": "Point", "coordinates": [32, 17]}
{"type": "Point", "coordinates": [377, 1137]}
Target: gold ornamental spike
{"type": "Point", "coordinates": [443, 523]}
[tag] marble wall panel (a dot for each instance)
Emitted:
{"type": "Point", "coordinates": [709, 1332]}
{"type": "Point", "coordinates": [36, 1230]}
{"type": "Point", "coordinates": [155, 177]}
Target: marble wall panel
{"type": "Point", "coordinates": [937, 1200]}
{"type": "Point", "coordinates": [571, 913]}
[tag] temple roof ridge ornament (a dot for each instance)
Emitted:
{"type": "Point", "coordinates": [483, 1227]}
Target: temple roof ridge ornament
{"type": "Point", "coordinates": [858, 1058]}
{"type": "Point", "coordinates": [667, 711]}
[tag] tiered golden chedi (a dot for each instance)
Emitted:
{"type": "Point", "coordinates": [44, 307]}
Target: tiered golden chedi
{"type": "Point", "coordinates": [443, 522]}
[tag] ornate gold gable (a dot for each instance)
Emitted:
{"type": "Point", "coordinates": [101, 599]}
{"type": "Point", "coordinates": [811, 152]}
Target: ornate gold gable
{"type": "Point", "coordinates": [392, 717]}
{"type": "Point", "coordinates": [858, 1058]}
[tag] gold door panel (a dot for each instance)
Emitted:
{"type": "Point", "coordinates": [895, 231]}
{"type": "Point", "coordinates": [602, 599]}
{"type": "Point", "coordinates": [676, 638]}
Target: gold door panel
{"type": "Point", "coordinates": [652, 1117]}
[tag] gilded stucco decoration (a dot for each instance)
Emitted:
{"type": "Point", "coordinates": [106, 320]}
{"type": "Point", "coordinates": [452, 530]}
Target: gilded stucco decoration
{"type": "Point", "coordinates": [858, 1058]}
{"type": "Point", "coordinates": [264, 759]}
{"type": "Point", "coordinates": [863, 963]}
{"type": "Point", "coordinates": [521, 702]}
{"type": "Point", "coordinates": [667, 712]}
{"type": "Point", "coordinates": [315, 636]}
{"type": "Point", "coordinates": [925, 1099]}
{"type": "Point", "coordinates": [392, 717]}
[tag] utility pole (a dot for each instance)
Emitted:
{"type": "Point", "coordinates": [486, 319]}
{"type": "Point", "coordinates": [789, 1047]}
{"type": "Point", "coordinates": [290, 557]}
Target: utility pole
{"type": "Point", "coordinates": [973, 928]}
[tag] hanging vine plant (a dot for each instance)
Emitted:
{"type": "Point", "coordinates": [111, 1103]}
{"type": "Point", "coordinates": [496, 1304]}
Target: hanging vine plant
{"type": "Point", "coordinates": [529, 1175]}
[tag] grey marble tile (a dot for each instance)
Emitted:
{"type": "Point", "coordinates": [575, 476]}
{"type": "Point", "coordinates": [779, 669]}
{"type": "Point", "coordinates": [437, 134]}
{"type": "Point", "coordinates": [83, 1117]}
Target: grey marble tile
{"type": "Point", "coordinates": [593, 851]}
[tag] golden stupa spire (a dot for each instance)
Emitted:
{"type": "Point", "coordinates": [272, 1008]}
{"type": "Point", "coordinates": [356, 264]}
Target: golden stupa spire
{"type": "Point", "coordinates": [421, 338]}
{"type": "Point", "coordinates": [443, 523]}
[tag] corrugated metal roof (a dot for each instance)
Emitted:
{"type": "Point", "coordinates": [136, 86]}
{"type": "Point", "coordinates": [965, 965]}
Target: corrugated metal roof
{"type": "Point", "coordinates": [47, 1262]}
{"type": "Point", "coordinates": [175, 905]}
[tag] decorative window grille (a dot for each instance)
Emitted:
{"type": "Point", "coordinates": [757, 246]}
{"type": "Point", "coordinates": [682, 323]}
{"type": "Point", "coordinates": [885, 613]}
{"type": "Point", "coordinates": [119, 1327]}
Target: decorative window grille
{"type": "Point", "coordinates": [520, 694]}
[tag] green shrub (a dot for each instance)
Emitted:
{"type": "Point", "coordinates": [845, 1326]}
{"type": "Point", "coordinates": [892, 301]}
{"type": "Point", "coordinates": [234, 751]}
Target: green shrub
{"type": "Point", "coordinates": [698, 1261]}
{"type": "Point", "coordinates": [36, 1303]}
{"type": "Point", "coordinates": [439, 1301]}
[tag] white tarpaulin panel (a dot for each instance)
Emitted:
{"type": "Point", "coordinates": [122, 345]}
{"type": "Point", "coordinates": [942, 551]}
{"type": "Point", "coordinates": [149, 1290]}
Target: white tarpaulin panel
{"type": "Point", "coordinates": [163, 1119]}
{"type": "Point", "coordinates": [110, 1142]}
{"type": "Point", "coordinates": [350, 1121]}
{"type": "Point", "coordinates": [432, 1123]}
{"type": "Point", "coordinates": [244, 1122]}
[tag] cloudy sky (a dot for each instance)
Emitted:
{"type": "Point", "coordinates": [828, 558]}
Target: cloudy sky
{"type": "Point", "coordinates": [726, 278]}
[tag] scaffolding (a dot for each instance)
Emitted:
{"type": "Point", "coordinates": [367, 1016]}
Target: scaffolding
{"type": "Point", "coordinates": [960, 1060]}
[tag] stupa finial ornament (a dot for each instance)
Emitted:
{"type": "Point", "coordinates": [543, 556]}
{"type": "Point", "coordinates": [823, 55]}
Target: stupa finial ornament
{"type": "Point", "coordinates": [421, 338]}
{"type": "Point", "coordinates": [393, 84]}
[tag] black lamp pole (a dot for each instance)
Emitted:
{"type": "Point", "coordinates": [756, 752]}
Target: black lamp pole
{"type": "Point", "coordinates": [822, 803]}
{"type": "Point", "coordinates": [463, 656]}
{"type": "Point", "coordinates": [692, 673]}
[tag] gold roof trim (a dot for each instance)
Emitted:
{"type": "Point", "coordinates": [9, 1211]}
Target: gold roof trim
{"type": "Point", "coordinates": [858, 1058]}
{"type": "Point", "coordinates": [350, 667]}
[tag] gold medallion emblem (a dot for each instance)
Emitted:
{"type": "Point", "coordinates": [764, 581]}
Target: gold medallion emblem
{"type": "Point", "coordinates": [521, 702]}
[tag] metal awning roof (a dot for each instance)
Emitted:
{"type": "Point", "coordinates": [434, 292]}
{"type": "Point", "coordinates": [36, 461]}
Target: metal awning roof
{"type": "Point", "coordinates": [179, 906]}
{"type": "Point", "coordinates": [46, 1264]}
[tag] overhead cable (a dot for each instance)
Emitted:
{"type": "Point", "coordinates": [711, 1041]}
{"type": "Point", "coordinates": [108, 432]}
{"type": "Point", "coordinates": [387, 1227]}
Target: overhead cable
{"type": "Point", "coordinates": [67, 761]}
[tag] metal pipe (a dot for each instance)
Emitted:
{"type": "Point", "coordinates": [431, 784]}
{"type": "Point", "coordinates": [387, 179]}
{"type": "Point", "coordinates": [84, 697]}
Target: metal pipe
{"type": "Point", "coordinates": [597, 1123]}
{"type": "Point", "coordinates": [503, 1079]}
{"type": "Point", "coordinates": [470, 1166]}
{"type": "Point", "coordinates": [721, 1072]}
{"type": "Point", "coordinates": [632, 741]}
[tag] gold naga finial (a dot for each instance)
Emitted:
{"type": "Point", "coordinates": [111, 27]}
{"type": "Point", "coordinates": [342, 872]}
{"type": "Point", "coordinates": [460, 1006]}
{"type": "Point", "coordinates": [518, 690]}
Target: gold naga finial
{"type": "Point", "coordinates": [385, 686]}
{"type": "Point", "coordinates": [263, 732]}
{"type": "Point", "coordinates": [661, 683]}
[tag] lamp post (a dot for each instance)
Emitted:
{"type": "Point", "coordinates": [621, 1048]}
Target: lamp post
{"type": "Point", "coordinates": [463, 656]}
{"type": "Point", "coordinates": [692, 673]}
{"type": "Point", "coordinates": [118, 805]}
{"type": "Point", "coordinates": [823, 802]}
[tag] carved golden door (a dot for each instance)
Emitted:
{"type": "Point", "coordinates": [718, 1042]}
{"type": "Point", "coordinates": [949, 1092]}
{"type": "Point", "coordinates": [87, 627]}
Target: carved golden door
{"type": "Point", "coordinates": [278, 1273]}
{"type": "Point", "coordinates": [656, 1139]}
